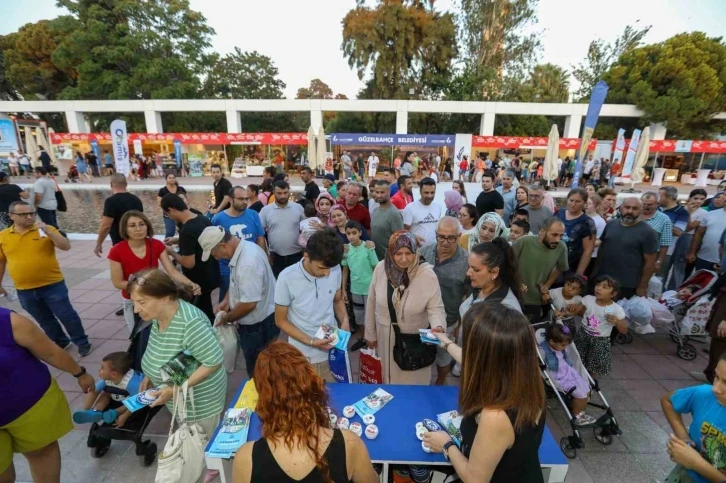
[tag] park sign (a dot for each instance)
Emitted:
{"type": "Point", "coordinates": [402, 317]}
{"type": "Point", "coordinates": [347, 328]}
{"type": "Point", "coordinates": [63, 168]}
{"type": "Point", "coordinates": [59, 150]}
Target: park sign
{"type": "Point", "coordinates": [413, 140]}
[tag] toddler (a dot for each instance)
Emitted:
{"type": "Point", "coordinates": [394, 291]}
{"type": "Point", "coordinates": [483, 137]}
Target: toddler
{"type": "Point", "coordinates": [116, 372]}
{"type": "Point", "coordinates": [518, 229]}
{"type": "Point", "coordinates": [565, 377]}
{"type": "Point", "coordinates": [359, 260]}
{"type": "Point", "coordinates": [566, 299]}
{"type": "Point", "coordinates": [601, 314]}
{"type": "Point", "coordinates": [309, 225]}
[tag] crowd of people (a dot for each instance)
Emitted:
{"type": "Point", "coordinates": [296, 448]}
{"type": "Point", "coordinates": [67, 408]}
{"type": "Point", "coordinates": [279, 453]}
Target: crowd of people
{"type": "Point", "coordinates": [477, 272]}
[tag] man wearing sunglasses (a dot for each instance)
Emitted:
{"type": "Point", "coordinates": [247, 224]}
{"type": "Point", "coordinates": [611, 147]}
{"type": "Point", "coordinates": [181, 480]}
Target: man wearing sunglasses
{"type": "Point", "coordinates": [27, 250]}
{"type": "Point", "coordinates": [450, 263]}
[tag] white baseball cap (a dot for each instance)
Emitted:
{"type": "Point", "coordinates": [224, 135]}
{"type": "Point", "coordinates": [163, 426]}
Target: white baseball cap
{"type": "Point", "coordinates": [210, 238]}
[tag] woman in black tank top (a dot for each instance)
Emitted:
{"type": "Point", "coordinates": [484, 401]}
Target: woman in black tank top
{"type": "Point", "coordinates": [297, 443]}
{"type": "Point", "coordinates": [502, 398]}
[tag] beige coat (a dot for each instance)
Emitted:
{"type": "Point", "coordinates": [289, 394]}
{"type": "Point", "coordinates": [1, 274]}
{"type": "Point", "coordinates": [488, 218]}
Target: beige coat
{"type": "Point", "coordinates": [420, 307]}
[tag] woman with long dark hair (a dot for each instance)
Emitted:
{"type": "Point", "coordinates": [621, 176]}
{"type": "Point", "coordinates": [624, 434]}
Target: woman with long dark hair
{"type": "Point", "coordinates": [494, 275]}
{"type": "Point", "coordinates": [297, 443]}
{"type": "Point", "coordinates": [501, 393]}
{"type": "Point", "coordinates": [580, 231]}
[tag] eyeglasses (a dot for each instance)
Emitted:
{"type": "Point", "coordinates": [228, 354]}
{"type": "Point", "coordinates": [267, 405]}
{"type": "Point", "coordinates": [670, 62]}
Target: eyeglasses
{"type": "Point", "coordinates": [140, 281]}
{"type": "Point", "coordinates": [450, 239]}
{"type": "Point", "coordinates": [29, 214]}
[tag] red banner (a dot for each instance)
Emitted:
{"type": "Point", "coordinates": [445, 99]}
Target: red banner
{"type": "Point", "coordinates": [509, 142]}
{"type": "Point", "coordinates": [189, 138]}
{"type": "Point", "coordinates": [709, 147]}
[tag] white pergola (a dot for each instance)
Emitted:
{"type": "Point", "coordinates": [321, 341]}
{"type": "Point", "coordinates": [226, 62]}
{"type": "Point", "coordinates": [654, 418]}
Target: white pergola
{"type": "Point", "coordinates": [77, 123]}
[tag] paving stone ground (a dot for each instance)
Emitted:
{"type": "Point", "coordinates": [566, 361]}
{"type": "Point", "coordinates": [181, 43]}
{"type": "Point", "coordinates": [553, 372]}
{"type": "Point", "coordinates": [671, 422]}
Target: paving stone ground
{"type": "Point", "coordinates": [642, 372]}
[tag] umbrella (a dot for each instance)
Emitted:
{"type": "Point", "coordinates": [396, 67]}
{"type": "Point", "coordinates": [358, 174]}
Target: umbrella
{"type": "Point", "coordinates": [641, 157]}
{"type": "Point", "coordinates": [321, 149]}
{"type": "Point", "coordinates": [312, 152]}
{"type": "Point", "coordinates": [553, 152]}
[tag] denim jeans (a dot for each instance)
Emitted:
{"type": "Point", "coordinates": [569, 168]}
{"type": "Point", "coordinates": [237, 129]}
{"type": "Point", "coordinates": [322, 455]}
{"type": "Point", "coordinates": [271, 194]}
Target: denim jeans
{"type": "Point", "coordinates": [47, 216]}
{"type": "Point", "coordinates": [253, 338]}
{"type": "Point", "coordinates": [169, 227]}
{"type": "Point", "coordinates": [50, 304]}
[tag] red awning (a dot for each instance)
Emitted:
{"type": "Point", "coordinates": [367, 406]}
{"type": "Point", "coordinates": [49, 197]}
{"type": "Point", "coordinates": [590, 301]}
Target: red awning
{"type": "Point", "coordinates": [510, 142]}
{"type": "Point", "coordinates": [189, 138]}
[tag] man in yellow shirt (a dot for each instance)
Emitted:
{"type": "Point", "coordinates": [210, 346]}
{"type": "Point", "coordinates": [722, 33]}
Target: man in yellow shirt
{"type": "Point", "coordinates": [27, 250]}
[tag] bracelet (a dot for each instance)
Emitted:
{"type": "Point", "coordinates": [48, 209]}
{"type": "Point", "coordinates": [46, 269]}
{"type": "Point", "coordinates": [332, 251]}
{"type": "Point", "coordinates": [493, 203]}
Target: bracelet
{"type": "Point", "coordinates": [311, 342]}
{"type": "Point", "coordinates": [446, 346]}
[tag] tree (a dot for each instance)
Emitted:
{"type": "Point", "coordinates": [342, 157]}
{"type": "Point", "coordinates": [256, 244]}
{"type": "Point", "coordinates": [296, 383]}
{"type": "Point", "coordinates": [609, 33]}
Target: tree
{"type": "Point", "coordinates": [317, 90]}
{"type": "Point", "coordinates": [496, 42]}
{"type": "Point", "coordinates": [243, 75]}
{"type": "Point", "coordinates": [601, 56]}
{"type": "Point", "coordinates": [681, 82]}
{"type": "Point", "coordinates": [29, 58]}
{"type": "Point", "coordinates": [126, 49]}
{"type": "Point", "coordinates": [404, 44]}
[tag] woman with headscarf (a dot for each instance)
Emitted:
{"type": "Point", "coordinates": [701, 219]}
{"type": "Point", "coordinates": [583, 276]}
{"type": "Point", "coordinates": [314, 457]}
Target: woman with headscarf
{"type": "Point", "coordinates": [717, 202]}
{"type": "Point", "coordinates": [404, 288]}
{"type": "Point", "coordinates": [489, 227]}
{"type": "Point", "coordinates": [324, 205]}
{"type": "Point", "coordinates": [454, 202]}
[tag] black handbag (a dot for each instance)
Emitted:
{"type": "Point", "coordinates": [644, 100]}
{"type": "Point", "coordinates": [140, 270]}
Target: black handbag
{"type": "Point", "coordinates": [59, 198]}
{"type": "Point", "coordinates": [409, 353]}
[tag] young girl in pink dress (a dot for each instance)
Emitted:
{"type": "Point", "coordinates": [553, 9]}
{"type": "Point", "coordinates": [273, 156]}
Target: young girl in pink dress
{"type": "Point", "coordinates": [565, 377]}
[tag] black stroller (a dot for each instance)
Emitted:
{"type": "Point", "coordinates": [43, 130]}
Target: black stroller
{"type": "Point", "coordinates": [101, 435]}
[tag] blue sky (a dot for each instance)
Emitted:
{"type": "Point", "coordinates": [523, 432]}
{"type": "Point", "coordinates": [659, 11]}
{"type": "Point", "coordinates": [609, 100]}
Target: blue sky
{"type": "Point", "coordinates": [290, 31]}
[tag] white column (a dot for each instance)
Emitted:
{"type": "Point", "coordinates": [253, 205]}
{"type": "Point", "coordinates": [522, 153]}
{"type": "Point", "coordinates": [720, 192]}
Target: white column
{"type": "Point", "coordinates": [402, 122]}
{"type": "Point", "coordinates": [77, 122]}
{"type": "Point", "coordinates": [573, 125]}
{"type": "Point", "coordinates": [153, 122]}
{"type": "Point", "coordinates": [316, 119]}
{"type": "Point", "coordinates": [486, 127]}
{"type": "Point", "coordinates": [657, 131]}
{"type": "Point", "coordinates": [234, 122]}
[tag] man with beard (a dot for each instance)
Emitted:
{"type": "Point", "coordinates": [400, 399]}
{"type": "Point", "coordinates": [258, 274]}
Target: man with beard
{"type": "Point", "coordinates": [385, 220]}
{"type": "Point", "coordinates": [540, 260]}
{"type": "Point", "coordinates": [354, 208]}
{"type": "Point", "coordinates": [281, 220]}
{"type": "Point", "coordinates": [421, 216]}
{"type": "Point", "coordinates": [405, 192]}
{"type": "Point", "coordinates": [628, 250]}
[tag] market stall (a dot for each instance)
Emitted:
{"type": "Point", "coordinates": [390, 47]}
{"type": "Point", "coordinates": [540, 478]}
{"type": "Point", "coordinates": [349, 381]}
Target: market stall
{"type": "Point", "coordinates": [528, 147]}
{"type": "Point", "coordinates": [389, 147]}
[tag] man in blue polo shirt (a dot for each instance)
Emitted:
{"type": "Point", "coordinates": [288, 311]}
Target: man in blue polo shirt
{"type": "Point", "coordinates": [243, 223]}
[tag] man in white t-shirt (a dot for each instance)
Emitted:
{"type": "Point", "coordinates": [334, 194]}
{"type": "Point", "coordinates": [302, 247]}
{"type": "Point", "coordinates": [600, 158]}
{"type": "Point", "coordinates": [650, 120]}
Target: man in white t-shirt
{"type": "Point", "coordinates": [704, 247]}
{"type": "Point", "coordinates": [308, 295]}
{"type": "Point", "coordinates": [422, 216]}
{"type": "Point", "coordinates": [373, 163]}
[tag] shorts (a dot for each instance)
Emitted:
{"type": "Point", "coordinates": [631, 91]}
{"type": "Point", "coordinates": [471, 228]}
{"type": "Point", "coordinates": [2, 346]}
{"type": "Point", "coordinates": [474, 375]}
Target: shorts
{"type": "Point", "coordinates": [46, 422]}
{"type": "Point", "coordinates": [443, 358]}
{"type": "Point", "coordinates": [322, 369]}
{"type": "Point", "coordinates": [569, 175]}
{"type": "Point", "coordinates": [595, 353]}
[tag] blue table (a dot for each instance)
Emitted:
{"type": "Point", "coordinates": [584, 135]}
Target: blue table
{"type": "Point", "coordinates": [396, 442]}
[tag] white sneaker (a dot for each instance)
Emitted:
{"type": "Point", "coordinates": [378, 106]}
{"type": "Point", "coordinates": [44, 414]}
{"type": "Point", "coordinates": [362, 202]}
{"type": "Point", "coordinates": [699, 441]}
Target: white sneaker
{"type": "Point", "coordinates": [456, 370]}
{"type": "Point", "coordinates": [584, 419]}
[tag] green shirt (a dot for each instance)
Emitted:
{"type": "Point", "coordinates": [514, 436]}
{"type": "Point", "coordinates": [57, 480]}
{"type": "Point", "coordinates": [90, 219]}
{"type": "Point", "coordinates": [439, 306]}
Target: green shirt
{"type": "Point", "coordinates": [535, 263]}
{"type": "Point", "coordinates": [360, 262]}
{"type": "Point", "coordinates": [189, 330]}
{"type": "Point", "coordinates": [333, 191]}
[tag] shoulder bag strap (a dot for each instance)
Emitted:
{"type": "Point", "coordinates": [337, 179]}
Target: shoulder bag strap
{"type": "Point", "coordinates": [392, 310]}
{"type": "Point", "coordinates": [175, 398]}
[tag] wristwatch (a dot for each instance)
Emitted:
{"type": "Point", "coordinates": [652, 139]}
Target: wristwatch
{"type": "Point", "coordinates": [83, 371]}
{"type": "Point", "coordinates": [446, 449]}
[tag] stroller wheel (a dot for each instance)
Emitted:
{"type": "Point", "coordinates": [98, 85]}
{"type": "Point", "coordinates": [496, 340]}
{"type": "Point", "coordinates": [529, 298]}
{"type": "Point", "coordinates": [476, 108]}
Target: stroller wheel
{"type": "Point", "coordinates": [101, 448]}
{"type": "Point", "coordinates": [687, 352]}
{"type": "Point", "coordinates": [148, 458]}
{"type": "Point", "coordinates": [603, 436]}
{"type": "Point", "coordinates": [624, 338]}
{"type": "Point", "coordinates": [567, 448]}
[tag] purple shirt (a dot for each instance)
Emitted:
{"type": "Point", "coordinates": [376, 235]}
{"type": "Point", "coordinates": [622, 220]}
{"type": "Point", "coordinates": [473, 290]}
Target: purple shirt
{"type": "Point", "coordinates": [24, 379]}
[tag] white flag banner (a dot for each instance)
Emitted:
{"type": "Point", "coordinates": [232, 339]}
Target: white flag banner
{"type": "Point", "coordinates": [462, 147]}
{"type": "Point", "coordinates": [120, 144]}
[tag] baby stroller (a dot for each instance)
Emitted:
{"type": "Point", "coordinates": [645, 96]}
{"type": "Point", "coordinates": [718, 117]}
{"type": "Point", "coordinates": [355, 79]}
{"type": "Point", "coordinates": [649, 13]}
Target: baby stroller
{"type": "Point", "coordinates": [73, 175]}
{"type": "Point", "coordinates": [604, 427]}
{"type": "Point", "coordinates": [101, 435]}
{"type": "Point", "coordinates": [690, 313]}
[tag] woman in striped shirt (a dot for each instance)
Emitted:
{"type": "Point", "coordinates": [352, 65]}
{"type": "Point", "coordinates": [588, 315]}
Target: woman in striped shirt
{"type": "Point", "coordinates": [178, 326]}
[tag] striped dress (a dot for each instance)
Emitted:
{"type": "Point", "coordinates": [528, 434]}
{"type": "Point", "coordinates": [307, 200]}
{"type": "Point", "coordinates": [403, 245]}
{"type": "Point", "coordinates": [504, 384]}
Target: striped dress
{"type": "Point", "coordinates": [189, 330]}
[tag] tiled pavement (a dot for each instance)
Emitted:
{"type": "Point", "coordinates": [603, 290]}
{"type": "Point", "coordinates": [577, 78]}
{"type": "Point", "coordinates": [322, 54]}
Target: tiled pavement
{"type": "Point", "coordinates": [642, 372]}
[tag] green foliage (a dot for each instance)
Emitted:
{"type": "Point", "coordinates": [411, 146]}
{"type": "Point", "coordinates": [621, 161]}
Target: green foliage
{"type": "Point", "coordinates": [681, 81]}
{"type": "Point", "coordinates": [404, 44]}
{"type": "Point", "coordinates": [601, 56]}
{"type": "Point", "coordinates": [496, 42]}
{"type": "Point", "coordinates": [243, 75]}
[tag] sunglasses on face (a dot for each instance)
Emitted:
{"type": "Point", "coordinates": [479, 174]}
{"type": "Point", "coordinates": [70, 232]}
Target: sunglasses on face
{"type": "Point", "coordinates": [28, 214]}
